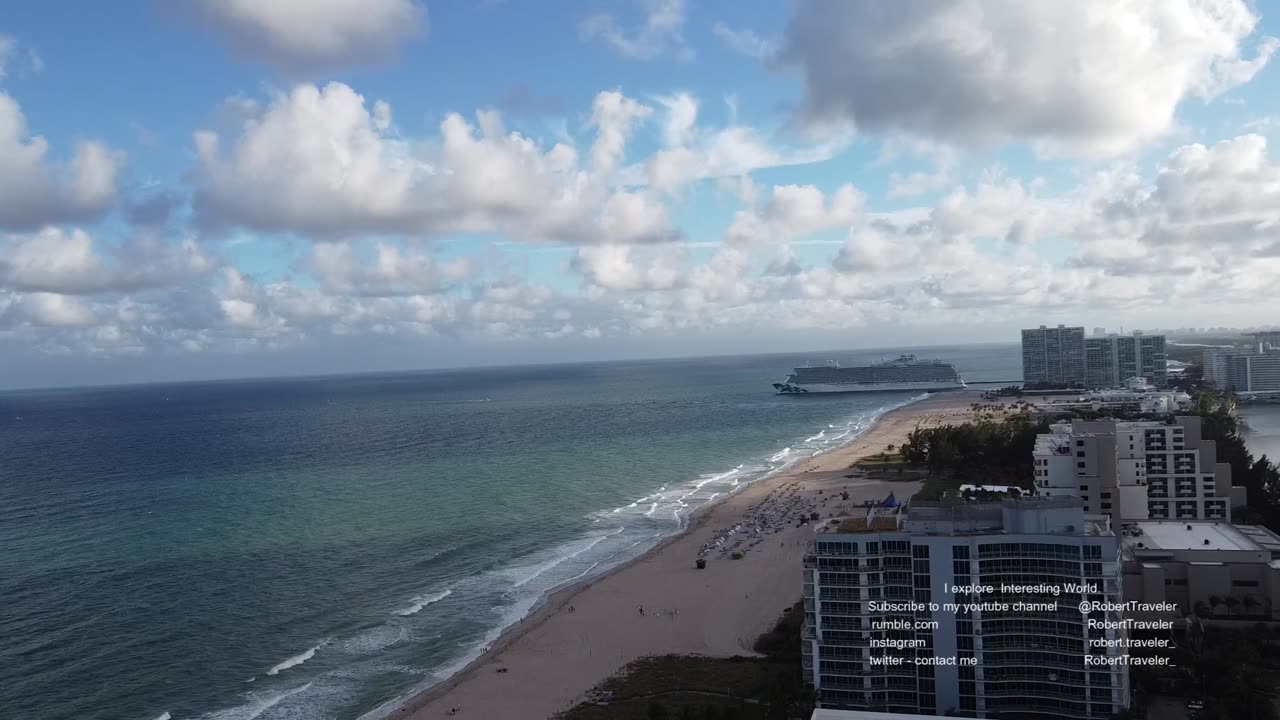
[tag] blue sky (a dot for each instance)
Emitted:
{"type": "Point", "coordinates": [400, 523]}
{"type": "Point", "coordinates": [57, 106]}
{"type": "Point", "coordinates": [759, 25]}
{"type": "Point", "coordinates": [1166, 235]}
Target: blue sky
{"type": "Point", "coordinates": [230, 187]}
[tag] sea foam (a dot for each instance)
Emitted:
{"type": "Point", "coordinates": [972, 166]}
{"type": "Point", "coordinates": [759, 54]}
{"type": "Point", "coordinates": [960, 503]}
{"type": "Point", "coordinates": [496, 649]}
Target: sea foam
{"type": "Point", "coordinates": [295, 660]}
{"type": "Point", "coordinates": [422, 601]}
{"type": "Point", "coordinates": [257, 705]}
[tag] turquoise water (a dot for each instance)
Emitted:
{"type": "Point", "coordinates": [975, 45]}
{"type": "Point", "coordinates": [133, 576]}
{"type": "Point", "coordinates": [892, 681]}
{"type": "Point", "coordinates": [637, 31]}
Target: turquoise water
{"type": "Point", "coordinates": [315, 548]}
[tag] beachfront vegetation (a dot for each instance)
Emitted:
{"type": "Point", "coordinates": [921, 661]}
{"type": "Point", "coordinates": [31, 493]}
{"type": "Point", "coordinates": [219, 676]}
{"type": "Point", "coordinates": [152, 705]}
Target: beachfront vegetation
{"type": "Point", "coordinates": [690, 687]}
{"type": "Point", "coordinates": [1260, 476]}
{"type": "Point", "coordinates": [998, 451]}
{"type": "Point", "coordinates": [1234, 672]}
{"type": "Point", "coordinates": [988, 451]}
{"type": "Point", "coordinates": [1190, 380]}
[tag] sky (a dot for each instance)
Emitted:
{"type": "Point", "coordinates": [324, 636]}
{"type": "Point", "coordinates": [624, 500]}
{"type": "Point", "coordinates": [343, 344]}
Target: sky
{"type": "Point", "coordinates": [231, 188]}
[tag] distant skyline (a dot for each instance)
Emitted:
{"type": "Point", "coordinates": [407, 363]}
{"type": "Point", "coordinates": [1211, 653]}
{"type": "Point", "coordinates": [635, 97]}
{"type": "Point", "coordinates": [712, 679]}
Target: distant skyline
{"type": "Point", "coordinates": [226, 188]}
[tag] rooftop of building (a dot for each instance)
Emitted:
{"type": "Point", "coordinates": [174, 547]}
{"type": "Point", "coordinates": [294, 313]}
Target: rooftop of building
{"type": "Point", "coordinates": [1060, 515]}
{"type": "Point", "coordinates": [1054, 443]}
{"type": "Point", "coordinates": [1191, 535]}
{"type": "Point", "coordinates": [1262, 536]}
{"type": "Point", "coordinates": [1070, 429]}
{"type": "Point", "coordinates": [878, 523]}
{"type": "Point", "coordinates": [828, 714]}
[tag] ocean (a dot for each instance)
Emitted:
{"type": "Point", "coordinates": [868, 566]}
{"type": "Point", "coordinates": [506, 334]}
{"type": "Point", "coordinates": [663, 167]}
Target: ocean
{"type": "Point", "coordinates": [295, 549]}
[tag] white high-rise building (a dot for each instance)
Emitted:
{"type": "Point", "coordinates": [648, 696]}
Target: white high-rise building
{"type": "Point", "coordinates": [1110, 361]}
{"type": "Point", "coordinates": [1239, 371]}
{"type": "Point", "coordinates": [1053, 357]}
{"type": "Point", "coordinates": [872, 641]}
{"type": "Point", "coordinates": [1136, 470]}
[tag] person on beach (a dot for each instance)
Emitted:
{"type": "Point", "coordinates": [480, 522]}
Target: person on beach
{"type": "Point", "coordinates": [641, 611]}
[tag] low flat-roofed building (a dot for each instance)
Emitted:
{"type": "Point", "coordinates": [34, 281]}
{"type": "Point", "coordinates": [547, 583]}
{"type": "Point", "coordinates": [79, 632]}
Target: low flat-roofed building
{"type": "Point", "coordinates": [1190, 562]}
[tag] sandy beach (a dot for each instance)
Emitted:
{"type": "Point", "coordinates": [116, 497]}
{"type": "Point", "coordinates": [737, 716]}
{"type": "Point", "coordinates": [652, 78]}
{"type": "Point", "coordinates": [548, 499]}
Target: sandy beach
{"type": "Point", "coordinates": [585, 633]}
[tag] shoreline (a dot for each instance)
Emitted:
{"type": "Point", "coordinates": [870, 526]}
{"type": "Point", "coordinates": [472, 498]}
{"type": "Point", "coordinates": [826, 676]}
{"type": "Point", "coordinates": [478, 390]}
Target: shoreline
{"type": "Point", "coordinates": [558, 598]}
{"type": "Point", "coordinates": [553, 628]}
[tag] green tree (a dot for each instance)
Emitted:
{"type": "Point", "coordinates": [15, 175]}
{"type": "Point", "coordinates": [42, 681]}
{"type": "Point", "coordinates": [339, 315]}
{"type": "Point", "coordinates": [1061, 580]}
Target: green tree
{"type": "Point", "coordinates": [1250, 603]}
{"type": "Point", "coordinates": [1231, 603]}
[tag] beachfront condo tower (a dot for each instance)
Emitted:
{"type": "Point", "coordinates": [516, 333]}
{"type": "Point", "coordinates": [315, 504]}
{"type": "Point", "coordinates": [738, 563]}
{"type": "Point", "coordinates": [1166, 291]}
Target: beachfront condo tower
{"type": "Point", "coordinates": [1053, 357]}
{"type": "Point", "coordinates": [967, 610]}
{"type": "Point", "coordinates": [1136, 470]}
{"type": "Point", "coordinates": [1244, 371]}
{"type": "Point", "coordinates": [1111, 360]}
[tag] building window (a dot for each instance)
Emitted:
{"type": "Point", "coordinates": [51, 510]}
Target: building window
{"type": "Point", "coordinates": [1079, 443]}
{"type": "Point", "coordinates": [1106, 506]}
{"type": "Point", "coordinates": [1244, 583]}
{"type": "Point", "coordinates": [1084, 487]}
{"type": "Point", "coordinates": [1080, 464]}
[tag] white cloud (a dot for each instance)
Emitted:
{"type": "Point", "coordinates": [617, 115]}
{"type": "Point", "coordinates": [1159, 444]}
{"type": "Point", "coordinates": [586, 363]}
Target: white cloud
{"type": "Point", "coordinates": [56, 261]}
{"type": "Point", "coordinates": [794, 211]}
{"type": "Point", "coordinates": [682, 118]}
{"type": "Point", "coordinates": [316, 161]}
{"type": "Point", "coordinates": [35, 192]}
{"type": "Point", "coordinates": [42, 309]}
{"type": "Point", "coordinates": [613, 115]}
{"type": "Point", "coordinates": [1093, 77]}
{"type": "Point", "coordinates": [732, 151]}
{"type": "Point", "coordinates": [391, 270]}
{"type": "Point", "coordinates": [1199, 230]}
{"type": "Point", "coordinates": [743, 42]}
{"type": "Point", "coordinates": [312, 35]}
{"type": "Point", "coordinates": [613, 267]}
{"type": "Point", "coordinates": [661, 32]}
{"type": "Point", "coordinates": [940, 156]}
{"type": "Point", "coordinates": [14, 57]}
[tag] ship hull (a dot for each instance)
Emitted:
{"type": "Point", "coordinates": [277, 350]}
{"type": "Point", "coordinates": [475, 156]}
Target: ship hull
{"type": "Point", "coordinates": [803, 388]}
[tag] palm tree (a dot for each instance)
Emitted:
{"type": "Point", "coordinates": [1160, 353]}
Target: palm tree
{"type": "Point", "coordinates": [1250, 602]}
{"type": "Point", "coordinates": [1214, 602]}
{"type": "Point", "coordinates": [1231, 602]}
{"type": "Point", "coordinates": [1201, 610]}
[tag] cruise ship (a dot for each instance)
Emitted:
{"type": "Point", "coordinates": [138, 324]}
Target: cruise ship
{"type": "Point", "coordinates": [904, 373]}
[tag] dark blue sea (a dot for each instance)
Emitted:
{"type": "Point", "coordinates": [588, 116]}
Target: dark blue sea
{"type": "Point", "coordinates": [315, 548]}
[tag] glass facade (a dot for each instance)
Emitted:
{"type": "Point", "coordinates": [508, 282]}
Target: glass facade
{"type": "Point", "coordinates": [1014, 663]}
